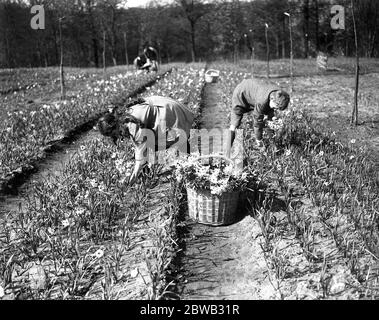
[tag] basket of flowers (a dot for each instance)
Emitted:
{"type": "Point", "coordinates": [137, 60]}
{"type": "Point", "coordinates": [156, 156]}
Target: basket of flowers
{"type": "Point", "coordinates": [214, 186]}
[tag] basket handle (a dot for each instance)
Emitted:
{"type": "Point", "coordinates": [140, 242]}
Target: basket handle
{"type": "Point", "coordinates": [212, 70]}
{"type": "Point", "coordinates": [214, 156]}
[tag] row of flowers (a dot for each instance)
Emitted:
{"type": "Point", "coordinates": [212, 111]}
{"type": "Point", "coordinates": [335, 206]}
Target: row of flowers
{"type": "Point", "coordinates": [25, 130]}
{"type": "Point", "coordinates": [86, 228]}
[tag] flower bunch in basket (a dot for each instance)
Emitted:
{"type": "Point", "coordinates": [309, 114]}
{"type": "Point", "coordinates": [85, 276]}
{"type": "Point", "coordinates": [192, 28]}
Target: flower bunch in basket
{"type": "Point", "coordinates": [213, 173]}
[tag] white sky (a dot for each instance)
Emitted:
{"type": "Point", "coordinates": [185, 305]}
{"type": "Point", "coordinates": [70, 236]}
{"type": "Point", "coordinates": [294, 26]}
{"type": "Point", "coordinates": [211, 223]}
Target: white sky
{"type": "Point", "coordinates": [139, 3]}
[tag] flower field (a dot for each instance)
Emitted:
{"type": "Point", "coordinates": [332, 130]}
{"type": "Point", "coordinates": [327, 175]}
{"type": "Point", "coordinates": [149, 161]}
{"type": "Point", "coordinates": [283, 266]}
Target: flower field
{"type": "Point", "coordinates": [86, 234]}
{"type": "Point", "coordinates": [281, 67]}
{"type": "Point", "coordinates": [26, 132]}
{"type": "Point", "coordinates": [329, 212]}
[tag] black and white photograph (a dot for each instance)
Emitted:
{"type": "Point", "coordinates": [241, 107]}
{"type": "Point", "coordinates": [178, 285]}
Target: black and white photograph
{"type": "Point", "coordinates": [213, 152]}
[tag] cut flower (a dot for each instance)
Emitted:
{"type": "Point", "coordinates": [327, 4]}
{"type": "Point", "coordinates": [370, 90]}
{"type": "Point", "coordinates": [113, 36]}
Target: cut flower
{"type": "Point", "coordinates": [216, 174]}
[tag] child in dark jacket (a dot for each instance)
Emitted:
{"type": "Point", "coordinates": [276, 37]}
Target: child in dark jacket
{"type": "Point", "coordinates": [260, 97]}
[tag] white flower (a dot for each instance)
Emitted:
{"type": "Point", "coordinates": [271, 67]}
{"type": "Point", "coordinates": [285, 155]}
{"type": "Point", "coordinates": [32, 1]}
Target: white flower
{"type": "Point", "coordinates": [102, 187]}
{"type": "Point", "coordinates": [65, 223]}
{"type": "Point", "coordinates": [80, 211]}
{"type": "Point", "coordinates": [99, 254]}
{"type": "Point", "coordinates": [134, 273]}
{"type": "Point", "coordinates": [93, 183]}
{"type": "Point", "coordinates": [353, 141]}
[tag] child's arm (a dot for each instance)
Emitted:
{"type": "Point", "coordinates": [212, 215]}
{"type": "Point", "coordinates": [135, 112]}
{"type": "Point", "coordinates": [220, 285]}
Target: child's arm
{"type": "Point", "coordinates": [235, 121]}
{"type": "Point", "coordinates": [142, 139]}
{"type": "Point", "coordinates": [259, 124]}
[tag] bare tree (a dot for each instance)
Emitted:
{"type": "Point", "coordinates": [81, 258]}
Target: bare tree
{"type": "Point", "coordinates": [291, 50]}
{"type": "Point", "coordinates": [317, 22]}
{"type": "Point", "coordinates": [104, 53]}
{"type": "Point", "coordinates": [267, 51]}
{"type": "Point", "coordinates": [193, 11]}
{"type": "Point", "coordinates": [306, 16]}
{"type": "Point", "coordinates": [354, 117]}
{"type": "Point", "coordinates": [63, 89]}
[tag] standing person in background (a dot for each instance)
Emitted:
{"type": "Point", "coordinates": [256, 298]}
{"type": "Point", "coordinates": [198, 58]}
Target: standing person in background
{"type": "Point", "coordinates": [260, 97]}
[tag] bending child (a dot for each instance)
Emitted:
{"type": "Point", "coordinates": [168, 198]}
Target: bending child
{"type": "Point", "coordinates": [145, 122]}
{"type": "Point", "coordinates": [260, 97]}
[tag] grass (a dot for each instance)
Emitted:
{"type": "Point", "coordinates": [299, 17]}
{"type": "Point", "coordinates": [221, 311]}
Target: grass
{"type": "Point", "coordinates": [328, 192]}
{"type": "Point", "coordinates": [25, 132]}
{"type": "Point", "coordinates": [85, 234]}
{"type": "Point", "coordinates": [302, 67]}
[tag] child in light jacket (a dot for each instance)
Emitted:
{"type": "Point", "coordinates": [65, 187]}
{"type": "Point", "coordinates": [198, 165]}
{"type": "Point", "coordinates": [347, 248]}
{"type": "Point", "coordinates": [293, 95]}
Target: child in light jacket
{"type": "Point", "coordinates": [154, 123]}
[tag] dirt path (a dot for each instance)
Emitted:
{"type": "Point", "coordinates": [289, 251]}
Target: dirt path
{"type": "Point", "coordinates": [50, 166]}
{"type": "Point", "coordinates": [222, 262]}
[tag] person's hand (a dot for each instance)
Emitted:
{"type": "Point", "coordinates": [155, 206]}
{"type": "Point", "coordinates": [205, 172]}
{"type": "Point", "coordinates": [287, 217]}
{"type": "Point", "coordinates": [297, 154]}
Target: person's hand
{"type": "Point", "coordinates": [137, 169]}
{"type": "Point", "coordinates": [133, 179]}
{"type": "Point", "coordinates": [230, 145]}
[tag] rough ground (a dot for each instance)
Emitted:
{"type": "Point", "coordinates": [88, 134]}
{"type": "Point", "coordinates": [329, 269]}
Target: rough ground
{"type": "Point", "coordinates": [229, 262]}
{"type": "Point", "coordinates": [140, 239]}
{"type": "Point", "coordinates": [51, 166]}
{"type": "Point", "coordinates": [223, 262]}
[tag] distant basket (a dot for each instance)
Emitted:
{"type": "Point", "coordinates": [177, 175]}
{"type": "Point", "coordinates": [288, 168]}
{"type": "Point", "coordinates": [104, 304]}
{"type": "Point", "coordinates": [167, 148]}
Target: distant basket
{"type": "Point", "coordinates": [214, 210]}
{"type": "Point", "coordinates": [211, 76]}
{"type": "Point", "coordinates": [322, 61]}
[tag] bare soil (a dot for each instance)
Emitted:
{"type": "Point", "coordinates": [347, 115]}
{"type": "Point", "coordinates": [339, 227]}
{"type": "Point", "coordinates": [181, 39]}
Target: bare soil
{"type": "Point", "coordinates": [234, 263]}
{"type": "Point", "coordinates": [49, 167]}
{"type": "Point", "coordinates": [222, 262]}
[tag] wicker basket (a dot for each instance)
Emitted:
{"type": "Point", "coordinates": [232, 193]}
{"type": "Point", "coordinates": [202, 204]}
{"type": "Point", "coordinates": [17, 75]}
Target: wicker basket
{"type": "Point", "coordinates": [211, 76]}
{"type": "Point", "coordinates": [214, 210]}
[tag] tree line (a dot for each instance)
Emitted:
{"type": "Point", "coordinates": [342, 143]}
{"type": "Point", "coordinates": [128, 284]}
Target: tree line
{"type": "Point", "coordinates": [94, 31]}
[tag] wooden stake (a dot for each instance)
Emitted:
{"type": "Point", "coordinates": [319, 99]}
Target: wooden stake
{"type": "Point", "coordinates": [267, 52]}
{"type": "Point", "coordinates": [354, 117]}
{"type": "Point", "coordinates": [63, 89]}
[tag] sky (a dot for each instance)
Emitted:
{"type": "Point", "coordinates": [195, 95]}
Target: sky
{"type": "Point", "coordinates": [138, 3]}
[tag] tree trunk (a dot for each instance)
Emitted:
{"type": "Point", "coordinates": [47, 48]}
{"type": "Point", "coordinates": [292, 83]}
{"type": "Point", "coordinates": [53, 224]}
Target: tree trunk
{"type": "Point", "coordinates": [193, 42]}
{"type": "Point", "coordinates": [63, 89]}
{"type": "Point", "coordinates": [354, 118]}
{"type": "Point", "coordinates": [126, 49]}
{"type": "Point", "coordinates": [317, 26]}
{"type": "Point", "coordinates": [291, 52]}
{"type": "Point", "coordinates": [283, 40]}
{"type": "Point", "coordinates": [267, 53]}
{"type": "Point", "coordinates": [104, 53]}
{"type": "Point", "coordinates": [56, 49]}
{"type": "Point", "coordinates": [113, 38]}
{"type": "Point", "coordinates": [306, 28]}
{"type": "Point", "coordinates": [95, 45]}
{"type": "Point", "coordinates": [95, 48]}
